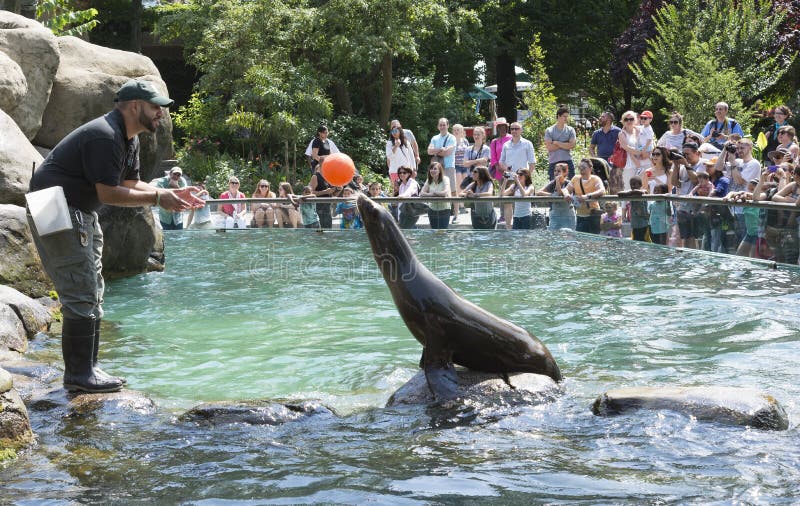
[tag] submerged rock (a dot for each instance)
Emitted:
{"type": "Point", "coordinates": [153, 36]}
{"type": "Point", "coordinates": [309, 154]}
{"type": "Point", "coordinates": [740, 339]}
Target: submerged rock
{"type": "Point", "coordinates": [734, 406]}
{"type": "Point", "coordinates": [114, 403]}
{"type": "Point", "coordinates": [527, 388]}
{"type": "Point", "coordinates": [255, 412]}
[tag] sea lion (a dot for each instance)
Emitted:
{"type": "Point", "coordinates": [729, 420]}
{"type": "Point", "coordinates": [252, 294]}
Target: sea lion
{"type": "Point", "coordinates": [451, 329]}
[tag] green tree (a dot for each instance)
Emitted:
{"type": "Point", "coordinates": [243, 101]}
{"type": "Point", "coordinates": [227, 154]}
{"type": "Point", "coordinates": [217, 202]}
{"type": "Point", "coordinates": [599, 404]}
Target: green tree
{"type": "Point", "coordinates": [540, 99]}
{"type": "Point", "coordinates": [738, 35]}
{"type": "Point", "coordinates": [700, 83]}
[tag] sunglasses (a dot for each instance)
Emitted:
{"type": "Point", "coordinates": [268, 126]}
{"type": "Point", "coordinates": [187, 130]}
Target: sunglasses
{"type": "Point", "coordinates": [655, 155]}
{"type": "Point", "coordinates": [263, 186]}
{"type": "Point", "coordinates": [516, 128]}
{"type": "Point", "coordinates": [233, 182]}
{"type": "Point", "coordinates": [628, 119]}
{"type": "Point", "coordinates": [674, 122]}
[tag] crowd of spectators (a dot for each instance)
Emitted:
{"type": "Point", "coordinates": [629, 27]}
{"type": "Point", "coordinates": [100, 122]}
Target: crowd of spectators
{"type": "Point", "coordinates": [626, 160]}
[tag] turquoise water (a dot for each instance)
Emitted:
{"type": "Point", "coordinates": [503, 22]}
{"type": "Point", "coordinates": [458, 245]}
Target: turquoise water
{"type": "Point", "coordinates": [303, 315]}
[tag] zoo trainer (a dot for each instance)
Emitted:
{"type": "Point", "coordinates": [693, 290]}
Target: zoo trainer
{"type": "Point", "coordinates": [97, 163]}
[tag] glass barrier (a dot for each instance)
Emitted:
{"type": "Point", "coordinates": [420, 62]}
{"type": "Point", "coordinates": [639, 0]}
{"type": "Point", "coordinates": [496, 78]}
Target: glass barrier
{"type": "Point", "coordinates": [764, 230]}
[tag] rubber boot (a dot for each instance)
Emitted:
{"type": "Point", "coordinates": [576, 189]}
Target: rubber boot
{"type": "Point", "coordinates": [96, 346]}
{"type": "Point", "coordinates": [77, 346]}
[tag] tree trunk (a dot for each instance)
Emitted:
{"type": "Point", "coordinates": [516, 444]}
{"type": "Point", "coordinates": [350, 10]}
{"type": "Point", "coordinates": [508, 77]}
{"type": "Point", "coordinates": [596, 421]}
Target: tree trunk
{"type": "Point", "coordinates": [386, 90]}
{"type": "Point", "coordinates": [342, 95]}
{"type": "Point", "coordinates": [506, 86]}
{"type": "Point", "coordinates": [136, 26]}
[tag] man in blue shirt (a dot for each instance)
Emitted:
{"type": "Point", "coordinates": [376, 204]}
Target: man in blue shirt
{"type": "Point", "coordinates": [604, 138]}
{"type": "Point", "coordinates": [717, 130]}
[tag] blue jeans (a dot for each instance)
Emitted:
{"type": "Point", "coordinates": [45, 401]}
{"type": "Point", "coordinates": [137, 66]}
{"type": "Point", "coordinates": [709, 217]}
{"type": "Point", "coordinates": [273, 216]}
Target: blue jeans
{"type": "Point", "coordinates": [559, 222]}
{"type": "Point", "coordinates": [439, 219]}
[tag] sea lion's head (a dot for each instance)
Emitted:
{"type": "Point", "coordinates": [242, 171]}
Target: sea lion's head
{"type": "Point", "coordinates": [389, 245]}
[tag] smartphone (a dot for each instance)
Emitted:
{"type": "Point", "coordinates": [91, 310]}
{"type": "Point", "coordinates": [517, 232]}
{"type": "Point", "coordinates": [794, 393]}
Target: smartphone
{"type": "Point", "coordinates": [772, 168]}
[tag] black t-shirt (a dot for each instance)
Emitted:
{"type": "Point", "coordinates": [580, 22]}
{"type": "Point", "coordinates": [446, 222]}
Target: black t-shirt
{"type": "Point", "coordinates": [323, 147]}
{"type": "Point", "coordinates": [96, 152]}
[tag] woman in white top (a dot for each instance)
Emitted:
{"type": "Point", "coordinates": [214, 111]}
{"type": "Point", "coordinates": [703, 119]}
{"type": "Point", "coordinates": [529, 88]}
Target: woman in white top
{"type": "Point", "coordinates": [398, 153]}
{"type": "Point", "coordinates": [659, 172]}
{"type": "Point", "coordinates": [629, 141]}
{"type": "Point", "coordinates": [437, 185]}
{"type": "Point", "coordinates": [520, 186]}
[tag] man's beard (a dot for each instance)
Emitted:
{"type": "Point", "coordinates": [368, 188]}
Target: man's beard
{"type": "Point", "coordinates": [146, 122]}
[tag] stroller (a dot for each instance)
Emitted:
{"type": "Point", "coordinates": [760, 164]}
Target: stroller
{"type": "Point", "coordinates": [602, 169]}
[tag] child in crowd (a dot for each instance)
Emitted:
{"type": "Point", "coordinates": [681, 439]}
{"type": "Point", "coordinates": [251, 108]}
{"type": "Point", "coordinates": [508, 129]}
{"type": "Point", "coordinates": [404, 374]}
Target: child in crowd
{"type": "Point", "coordinates": [611, 221]}
{"type": "Point", "coordinates": [704, 186]}
{"type": "Point", "coordinates": [308, 211]}
{"type": "Point", "coordinates": [752, 215]}
{"type": "Point", "coordinates": [646, 136]}
{"type": "Point", "coordinates": [659, 215]}
{"type": "Point", "coordinates": [636, 212]}
{"type": "Point", "coordinates": [350, 217]}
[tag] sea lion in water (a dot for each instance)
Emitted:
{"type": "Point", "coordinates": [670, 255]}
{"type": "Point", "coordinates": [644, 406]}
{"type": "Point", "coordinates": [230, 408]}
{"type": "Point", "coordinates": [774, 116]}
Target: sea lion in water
{"type": "Point", "coordinates": [450, 328]}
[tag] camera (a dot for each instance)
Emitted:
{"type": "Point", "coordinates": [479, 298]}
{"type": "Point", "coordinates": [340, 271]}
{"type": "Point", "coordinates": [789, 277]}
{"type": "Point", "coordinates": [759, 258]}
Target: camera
{"type": "Point", "coordinates": [675, 155]}
{"type": "Point", "coordinates": [730, 148]}
{"type": "Point", "coordinates": [508, 174]}
{"type": "Point", "coordinates": [772, 168]}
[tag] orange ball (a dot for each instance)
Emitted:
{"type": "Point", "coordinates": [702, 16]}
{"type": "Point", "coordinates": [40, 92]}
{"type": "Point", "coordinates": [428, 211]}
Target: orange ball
{"type": "Point", "coordinates": [338, 169]}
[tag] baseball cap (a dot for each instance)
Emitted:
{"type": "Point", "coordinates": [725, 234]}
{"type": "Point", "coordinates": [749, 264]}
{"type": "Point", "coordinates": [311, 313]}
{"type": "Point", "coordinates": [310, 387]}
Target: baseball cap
{"type": "Point", "coordinates": [646, 114]}
{"type": "Point", "coordinates": [136, 89]}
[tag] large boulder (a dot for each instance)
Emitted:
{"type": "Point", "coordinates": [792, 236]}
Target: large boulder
{"type": "Point", "coordinates": [84, 87]}
{"type": "Point", "coordinates": [21, 267]}
{"type": "Point", "coordinates": [34, 316]}
{"type": "Point", "coordinates": [12, 332]}
{"type": "Point", "coordinates": [17, 157]}
{"type": "Point", "coordinates": [13, 86]}
{"type": "Point", "coordinates": [130, 237]}
{"type": "Point", "coordinates": [15, 426]}
{"type": "Point", "coordinates": [727, 405]}
{"type": "Point", "coordinates": [35, 50]}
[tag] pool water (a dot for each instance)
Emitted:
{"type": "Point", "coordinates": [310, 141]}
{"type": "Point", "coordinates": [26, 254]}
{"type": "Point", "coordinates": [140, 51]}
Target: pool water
{"type": "Point", "coordinates": [295, 314]}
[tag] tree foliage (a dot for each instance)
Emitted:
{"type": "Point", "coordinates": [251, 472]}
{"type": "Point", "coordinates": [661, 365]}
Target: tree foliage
{"type": "Point", "coordinates": [540, 99]}
{"type": "Point", "coordinates": [62, 18]}
{"type": "Point", "coordinates": [739, 35]}
{"type": "Point", "coordinates": [700, 83]}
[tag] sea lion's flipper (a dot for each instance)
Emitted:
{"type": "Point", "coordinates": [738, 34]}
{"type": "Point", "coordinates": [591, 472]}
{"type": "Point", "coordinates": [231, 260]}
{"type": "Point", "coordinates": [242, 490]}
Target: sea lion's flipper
{"type": "Point", "coordinates": [442, 380]}
{"type": "Point", "coordinates": [507, 380]}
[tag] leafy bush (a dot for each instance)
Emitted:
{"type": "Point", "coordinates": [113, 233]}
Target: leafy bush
{"type": "Point", "coordinates": [363, 140]}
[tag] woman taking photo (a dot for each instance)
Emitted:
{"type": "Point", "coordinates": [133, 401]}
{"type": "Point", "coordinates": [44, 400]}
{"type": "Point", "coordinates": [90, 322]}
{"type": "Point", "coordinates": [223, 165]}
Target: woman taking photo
{"type": "Point", "coordinates": [483, 215]}
{"type": "Point", "coordinates": [562, 214]}
{"type": "Point", "coordinates": [398, 153]}
{"type": "Point", "coordinates": [437, 185]}
{"type": "Point", "coordinates": [520, 186]}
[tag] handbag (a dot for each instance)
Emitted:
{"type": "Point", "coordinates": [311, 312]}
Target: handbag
{"type": "Point", "coordinates": [619, 157]}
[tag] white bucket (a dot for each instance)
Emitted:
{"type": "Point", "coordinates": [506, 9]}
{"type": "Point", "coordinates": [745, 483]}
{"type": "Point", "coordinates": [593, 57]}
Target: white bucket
{"type": "Point", "coordinates": [49, 210]}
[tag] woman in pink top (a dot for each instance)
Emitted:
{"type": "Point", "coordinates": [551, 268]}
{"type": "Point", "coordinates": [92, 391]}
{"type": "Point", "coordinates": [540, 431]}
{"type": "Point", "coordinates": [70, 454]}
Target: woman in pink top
{"type": "Point", "coordinates": [496, 147]}
{"type": "Point", "coordinates": [233, 213]}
